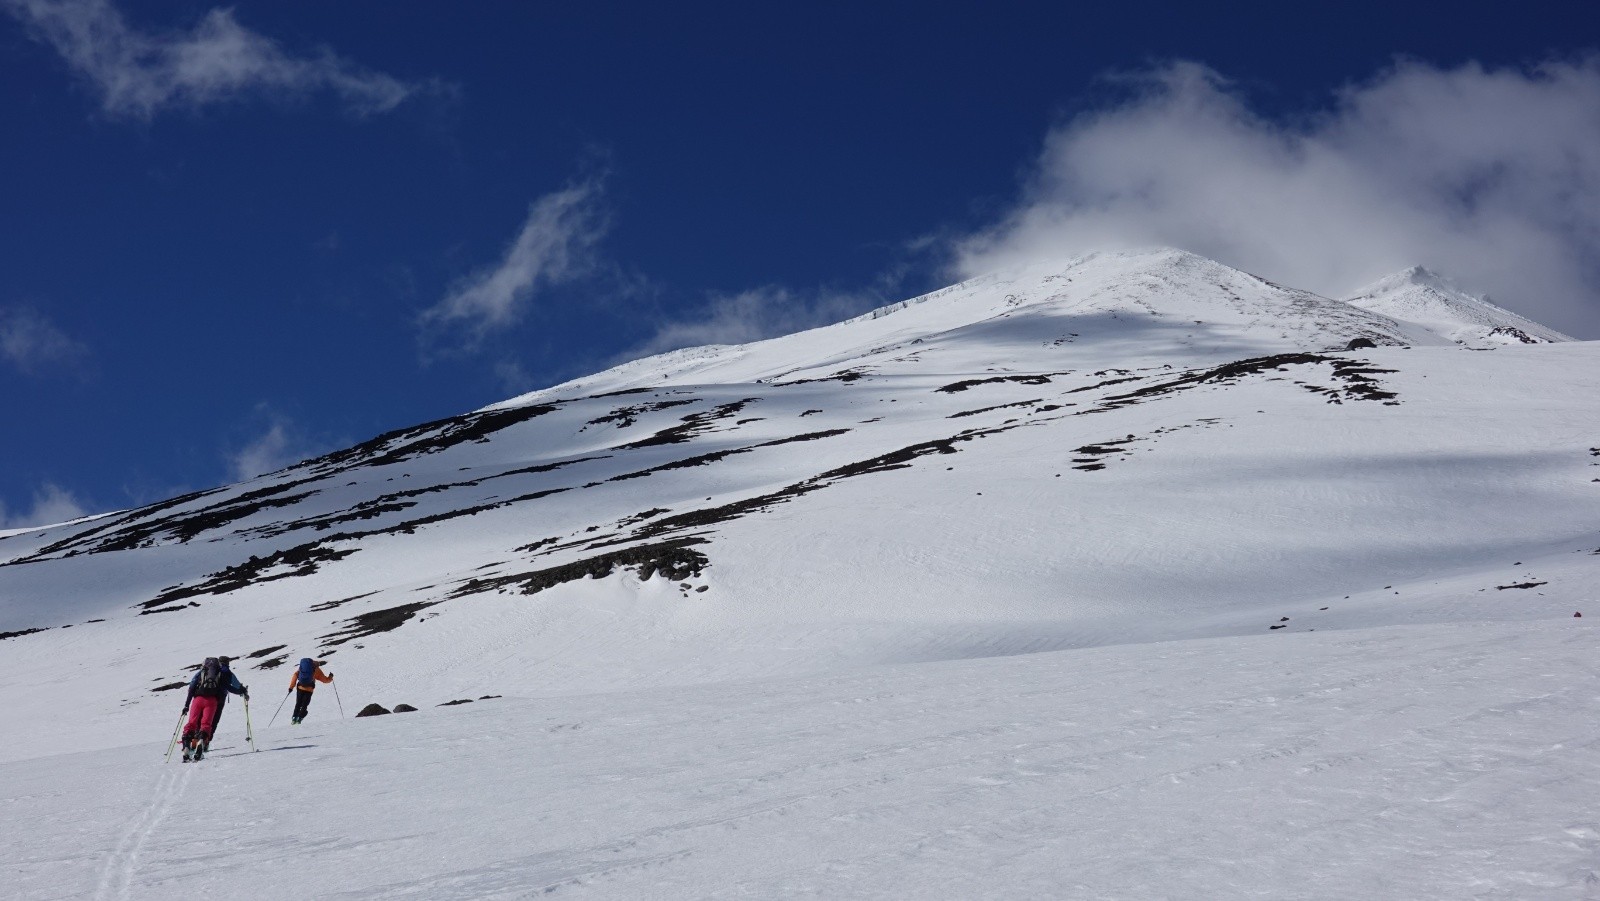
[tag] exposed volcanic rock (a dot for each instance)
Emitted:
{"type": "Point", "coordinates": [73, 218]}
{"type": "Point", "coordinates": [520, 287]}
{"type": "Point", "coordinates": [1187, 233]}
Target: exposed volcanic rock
{"type": "Point", "coordinates": [374, 622]}
{"type": "Point", "coordinates": [717, 456]}
{"type": "Point", "coordinates": [1038, 379]}
{"type": "Point", "coordinates": [1020, 403]}
{"type": "Point", "coordinates": [675, 560]}
{"type": "Point", "coordinates": [428, 438]}
{"type": "Point", "coordinates": [624, 417]}
{"type": "Point", "coordinates": [302, 560]}
{"type": "Point", "coordinates": [152, 525]}
{"type": "Point", "coordinates": [692, 425]}
{"type": "Point", "coordinates": [1356, 376]}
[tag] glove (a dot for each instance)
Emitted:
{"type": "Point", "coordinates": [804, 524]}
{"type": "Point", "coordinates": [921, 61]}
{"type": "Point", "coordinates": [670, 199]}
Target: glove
{"type": "Point", "coordinates": [330, 675]}
{"type": "Point", "coordinates": [246, 692]}
{"type": "Point", "coordinates": [185, 709]}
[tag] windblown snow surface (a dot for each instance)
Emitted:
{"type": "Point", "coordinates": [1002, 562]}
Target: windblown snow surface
{"type": "Point", "coordinates": [1117, 578]}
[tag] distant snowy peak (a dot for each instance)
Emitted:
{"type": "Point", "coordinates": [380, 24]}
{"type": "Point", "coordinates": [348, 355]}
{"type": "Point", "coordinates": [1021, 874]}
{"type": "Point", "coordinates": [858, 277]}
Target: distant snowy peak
{"type": "Point", "coordinates": [1158, 306]}
{"type": "Point", "coordinates": [1429, 299]}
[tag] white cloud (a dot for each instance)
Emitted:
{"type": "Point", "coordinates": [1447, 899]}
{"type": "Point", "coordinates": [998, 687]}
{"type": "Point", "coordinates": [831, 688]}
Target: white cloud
{"type": "Point", "coordinates": [138, 74]}
{"type": "Point", "coordinates": [556, 244]}
{"type": "Point", "coordinates": [279, 443]}
{"type": "Point", "coordinates": [754, 315]}
{"type": "Point", "coordinates": [32, 343]}
{"type": "Point", "coordinates": [51, 504]}
{"type": "Point", "coordinates": [1489, 175]}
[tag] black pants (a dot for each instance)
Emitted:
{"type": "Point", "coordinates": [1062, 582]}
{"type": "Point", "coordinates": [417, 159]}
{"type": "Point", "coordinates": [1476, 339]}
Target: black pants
{"type": "Point", "coordinates": [302, 703]}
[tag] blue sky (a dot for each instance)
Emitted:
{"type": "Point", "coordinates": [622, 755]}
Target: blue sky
{"type": "Point", "coordinates": [235, 236]}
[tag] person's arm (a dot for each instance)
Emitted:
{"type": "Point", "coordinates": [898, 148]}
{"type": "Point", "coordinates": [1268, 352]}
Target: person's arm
{"type": "Point", "coordinates": [294, 679]}
{"type": "Point", "coordinates": [190, 697]}
{"type": "Point", "coordinates": [235, 686]}
{"type": "Point", "coordinates": [317, 674]}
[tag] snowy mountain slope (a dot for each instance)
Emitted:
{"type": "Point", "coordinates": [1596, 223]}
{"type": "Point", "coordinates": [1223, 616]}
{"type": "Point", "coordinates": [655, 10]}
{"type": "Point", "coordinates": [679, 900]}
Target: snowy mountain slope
{"type": "Point", "coordinates": [1122, 449]}
{"type": "Point", "coordinates": [1432, 301]}
{"type": "Point", "coordinates": [1115, 578]}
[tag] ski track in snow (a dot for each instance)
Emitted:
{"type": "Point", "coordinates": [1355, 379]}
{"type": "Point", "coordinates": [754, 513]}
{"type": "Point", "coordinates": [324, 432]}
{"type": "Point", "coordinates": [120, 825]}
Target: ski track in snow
{"type": "Point", "coordinates": [122, 863]}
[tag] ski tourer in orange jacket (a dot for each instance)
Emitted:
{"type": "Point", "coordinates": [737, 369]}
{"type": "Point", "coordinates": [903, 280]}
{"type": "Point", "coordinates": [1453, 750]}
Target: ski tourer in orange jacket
{"type": "Point", "coordinates": [303, 682]}
{"type": "Point", "coordinates": [316, 673]}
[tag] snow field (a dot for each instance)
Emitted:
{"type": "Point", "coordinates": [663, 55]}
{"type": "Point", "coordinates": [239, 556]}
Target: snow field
{"type": "Point", "coordinates": [1439, 761]}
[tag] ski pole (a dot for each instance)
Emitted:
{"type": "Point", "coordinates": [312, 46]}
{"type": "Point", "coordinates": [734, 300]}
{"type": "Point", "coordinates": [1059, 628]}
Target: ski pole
{"type": "Point", "coordinates": [279, 710]}
{"type": "Point", "coordinates": [172, 744]}
{"type": "Point", "coordinates": [336, 696]}
{"type": "Point", "coordinates": [249, 734]}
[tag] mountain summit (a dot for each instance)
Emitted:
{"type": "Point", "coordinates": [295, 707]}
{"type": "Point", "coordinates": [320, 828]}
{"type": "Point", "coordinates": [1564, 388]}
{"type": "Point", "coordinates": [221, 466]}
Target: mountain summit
{"type": "Point", "coordinates": [1127, 307]}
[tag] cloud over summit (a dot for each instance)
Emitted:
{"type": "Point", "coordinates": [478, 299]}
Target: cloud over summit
{"type": "Point", "coordinates": [1489, 175]}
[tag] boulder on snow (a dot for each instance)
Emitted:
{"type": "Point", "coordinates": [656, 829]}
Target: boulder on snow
{"type": "Point", "coordinates": [404, 708]}
{"type": "Point", "coordinates": [373, 710]}
{"type": "Point", "coordinates": [1359, 344]}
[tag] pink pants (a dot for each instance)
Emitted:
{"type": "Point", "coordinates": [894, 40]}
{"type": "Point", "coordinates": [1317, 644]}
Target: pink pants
{"type": "Point", "coordinates": [202, 713]}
